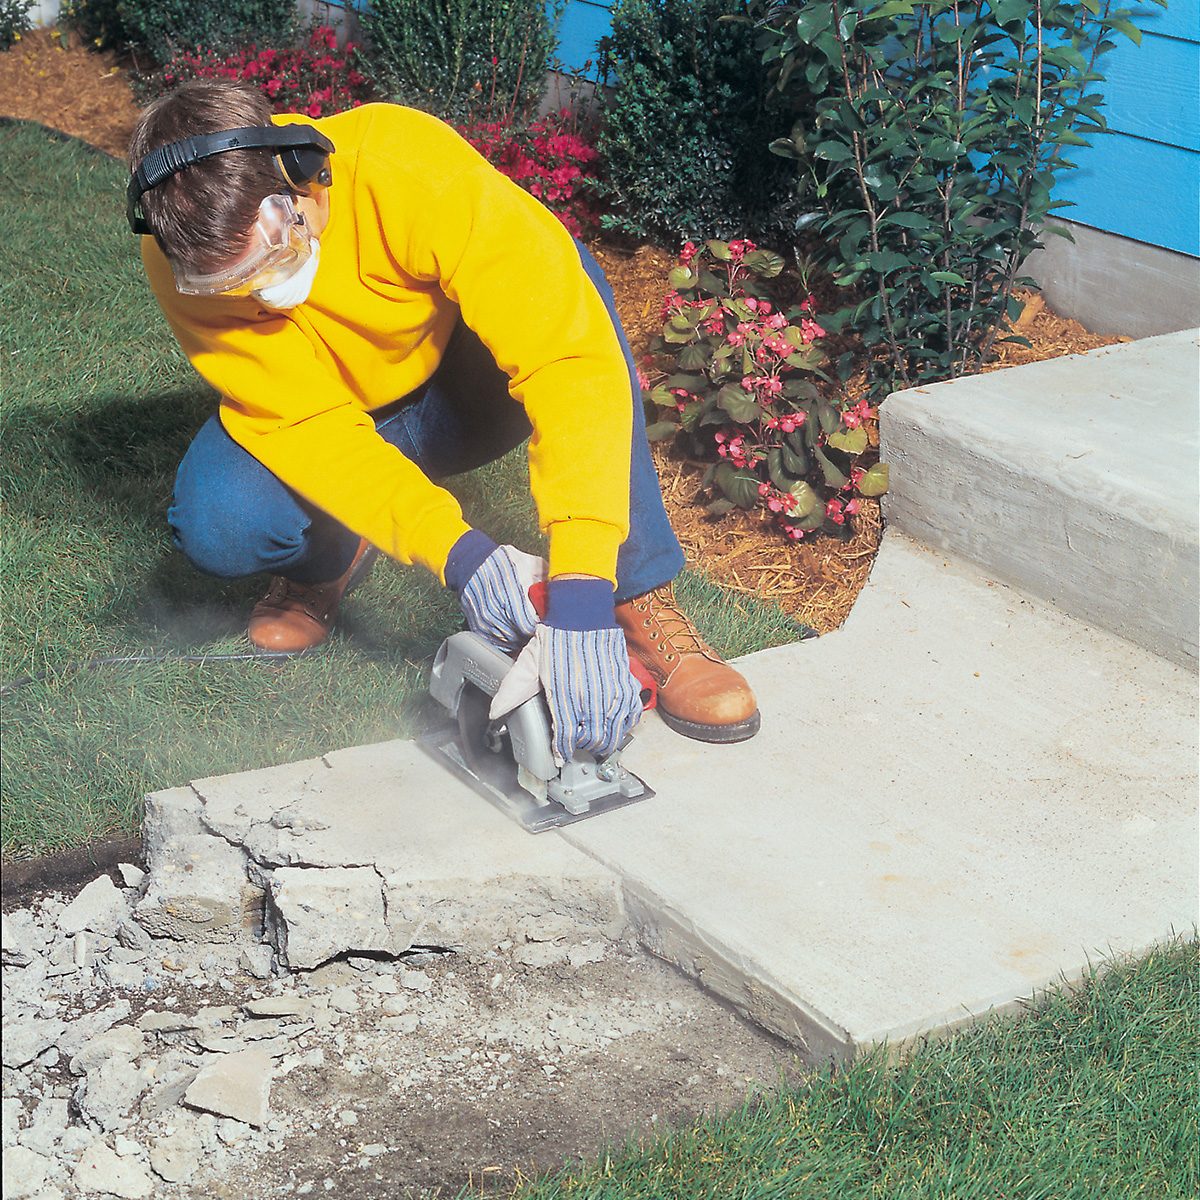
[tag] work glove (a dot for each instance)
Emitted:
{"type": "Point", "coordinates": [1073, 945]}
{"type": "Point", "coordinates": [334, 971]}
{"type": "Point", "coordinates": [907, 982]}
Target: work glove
{"type": "Point", "coordinates": [581, 664]}
{"type": "Point", "coordinates": [593, 698]}
{"type": "Point", "coordinates": [493, 585]}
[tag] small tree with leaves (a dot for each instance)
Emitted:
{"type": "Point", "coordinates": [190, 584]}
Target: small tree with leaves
{"type": "Point", "coordinates": [930, 136]}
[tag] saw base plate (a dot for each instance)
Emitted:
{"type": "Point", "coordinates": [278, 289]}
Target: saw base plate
{"type": "Point", "coordinates": [503, 790]}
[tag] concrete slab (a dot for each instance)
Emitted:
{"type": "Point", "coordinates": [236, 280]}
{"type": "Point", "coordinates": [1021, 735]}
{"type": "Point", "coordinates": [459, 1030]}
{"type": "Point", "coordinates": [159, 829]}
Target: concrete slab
{"type": "Point", "coordinates": [961, 797]}
{"type": "Point", "coordinates": [955, 800]}
{"type": "Point", "coordinates": [1074, 479]}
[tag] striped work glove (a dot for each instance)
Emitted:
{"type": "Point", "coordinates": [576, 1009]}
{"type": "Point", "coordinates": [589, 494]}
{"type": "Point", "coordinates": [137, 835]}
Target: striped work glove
{"type": "Point", "coordinates": [493, 584]}
{"type": "Point", "coordinates": [593, 698]}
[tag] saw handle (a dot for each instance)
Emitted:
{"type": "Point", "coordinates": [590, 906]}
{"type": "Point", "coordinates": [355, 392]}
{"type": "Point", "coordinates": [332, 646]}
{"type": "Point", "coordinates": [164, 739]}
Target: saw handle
{"type": "Point", "coordinates": [538, 594]}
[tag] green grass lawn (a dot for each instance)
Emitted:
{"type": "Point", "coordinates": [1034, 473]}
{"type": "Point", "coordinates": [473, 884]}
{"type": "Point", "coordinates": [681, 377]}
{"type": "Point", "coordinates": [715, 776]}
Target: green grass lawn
{"type": "Point", "coordinates": [1091, 1095]}
{"type": "Point", "coordinates": [97, 407]}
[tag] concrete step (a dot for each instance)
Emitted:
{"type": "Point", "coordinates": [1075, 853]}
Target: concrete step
{"type": "Point", "coordinates": [1073, 479]}
{"type": "Point", "coordinates": [957, 799]}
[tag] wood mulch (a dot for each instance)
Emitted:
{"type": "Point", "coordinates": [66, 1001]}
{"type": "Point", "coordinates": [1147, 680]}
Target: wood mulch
{"type": "Point", "coordinates": [58, 82]}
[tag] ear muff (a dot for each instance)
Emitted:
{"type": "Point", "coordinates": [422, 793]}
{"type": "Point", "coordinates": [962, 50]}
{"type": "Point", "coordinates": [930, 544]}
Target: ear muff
{"type": "Point", "coordinates": [303, 165]}
{"type": "Point", "coordinates": [302, 158]}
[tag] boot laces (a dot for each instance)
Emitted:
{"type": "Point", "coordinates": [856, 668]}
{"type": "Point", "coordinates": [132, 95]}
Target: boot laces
{"type": "Point", "coordinates": [678, 634]}
{"type": "Point", "coordinates": [288, 593]}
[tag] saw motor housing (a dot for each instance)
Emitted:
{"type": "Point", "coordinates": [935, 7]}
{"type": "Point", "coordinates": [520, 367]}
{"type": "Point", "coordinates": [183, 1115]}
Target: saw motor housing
{"type": "Point", "coordinates": [510, 760]}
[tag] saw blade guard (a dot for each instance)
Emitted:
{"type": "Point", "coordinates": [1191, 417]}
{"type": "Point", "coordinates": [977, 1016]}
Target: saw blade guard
{"type": "Point", "coordinates": [467, 659]}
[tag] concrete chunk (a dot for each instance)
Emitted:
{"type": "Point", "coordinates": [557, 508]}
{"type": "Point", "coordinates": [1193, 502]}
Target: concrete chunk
{"type": "Point", "coordinates": [101, 1169]}
{"type": "Point", "coordinates": [171, 816]}
{"type": "Point", "coordinates": [109, 1092]}
{"type": "Point", "coordinates": [237, 1086]}
{"type": "Point", "coordinates": [176, 1157]}
{"type": "Point", "coordinates": [24, 1172]}
{"type": "Point", "coordinates": [198, 891]}
{"type": "Point", "coordinates": [99, 908]}
{"type": "Point", "coordinates": [315, 913]}
{"type": "Point", "coordinates": [26, 1038]}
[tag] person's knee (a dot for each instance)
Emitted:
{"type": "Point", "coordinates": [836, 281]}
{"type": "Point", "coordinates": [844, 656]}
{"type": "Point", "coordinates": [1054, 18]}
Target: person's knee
{"type": "Point", "coordinates": [220, 537]}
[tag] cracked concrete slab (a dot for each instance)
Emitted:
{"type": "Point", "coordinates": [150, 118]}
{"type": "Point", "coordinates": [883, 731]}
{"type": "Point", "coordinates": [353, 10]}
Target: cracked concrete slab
{"type": "Point", "coordinates": [367, 850]}
{"type": "Point", "coordinates": [1026, 807]}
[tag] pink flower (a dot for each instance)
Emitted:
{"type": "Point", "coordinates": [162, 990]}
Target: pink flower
{"type": "Point", "coordinates": [777, 321]}
{"type": "Point", "coordinates": [810, 330]}
{"type": "Point", "coordinates": [853, 507]}
{"type": "Point", "coordinates": [833, 510]}
{"type": "Point", "coordinates": [752, 304]}
{"type": "Point", "coordinates": [687, 253]}
{"type": "Point", "coordinates": [736, 338]}
{"type": "Point", "coordinates": [793, 532]}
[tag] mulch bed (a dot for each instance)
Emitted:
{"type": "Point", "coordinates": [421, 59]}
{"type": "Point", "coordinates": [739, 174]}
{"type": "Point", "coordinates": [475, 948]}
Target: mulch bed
{"type": "Point", "coordinates": [86, 94]}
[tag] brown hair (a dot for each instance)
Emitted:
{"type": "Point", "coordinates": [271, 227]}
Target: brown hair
{"type": "Point", "coordinates": [202, 214]}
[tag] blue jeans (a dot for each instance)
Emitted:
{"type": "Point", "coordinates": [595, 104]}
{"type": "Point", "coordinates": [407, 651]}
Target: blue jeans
{"type": "Point", "coordinates": [232, 517]}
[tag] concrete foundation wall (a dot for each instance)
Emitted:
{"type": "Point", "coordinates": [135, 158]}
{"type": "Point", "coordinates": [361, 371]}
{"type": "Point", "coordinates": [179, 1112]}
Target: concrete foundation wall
{"type": "Point", "coordinates": [1112, 284]}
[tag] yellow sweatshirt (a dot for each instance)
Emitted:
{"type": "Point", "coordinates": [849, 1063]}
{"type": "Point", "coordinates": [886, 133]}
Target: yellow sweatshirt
{"type": "Point", "coordinates": [422, 228]}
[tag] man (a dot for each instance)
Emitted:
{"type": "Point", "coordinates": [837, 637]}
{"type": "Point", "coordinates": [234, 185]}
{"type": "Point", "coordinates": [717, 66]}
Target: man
{"type": "Point", "coordinates": [377, 308]}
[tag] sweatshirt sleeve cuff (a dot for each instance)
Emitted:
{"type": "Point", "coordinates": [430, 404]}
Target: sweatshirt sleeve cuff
{"type": "Point", "coordinates": [584, 547]}
{"type": "Point", "coordinates": [466, 557]}
{"type": "Point", "coordinates": [580, 604]}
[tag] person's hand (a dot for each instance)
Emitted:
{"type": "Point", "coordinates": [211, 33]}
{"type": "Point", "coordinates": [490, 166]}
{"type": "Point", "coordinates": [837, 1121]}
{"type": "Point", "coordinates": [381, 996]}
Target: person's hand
{"type": "Point", "coordinates": [495, 598]}
{"type": "Point", "coordinates": [593, 698]}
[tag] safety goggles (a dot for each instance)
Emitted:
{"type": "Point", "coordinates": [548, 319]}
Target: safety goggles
{"type": "Point", "coordinates": [280, 244]}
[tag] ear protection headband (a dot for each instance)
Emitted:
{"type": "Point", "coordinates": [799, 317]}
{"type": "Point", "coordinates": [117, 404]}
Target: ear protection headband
{"type": "Point", "coordinates": [302, 157]}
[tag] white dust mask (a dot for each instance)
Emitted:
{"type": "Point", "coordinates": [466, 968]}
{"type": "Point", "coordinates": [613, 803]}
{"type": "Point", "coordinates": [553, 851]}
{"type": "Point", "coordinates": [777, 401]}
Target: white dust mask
{"type": "Point", "coordinates": [294, 290]}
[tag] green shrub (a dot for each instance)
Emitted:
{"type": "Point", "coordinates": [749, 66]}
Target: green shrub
{"type": "Point", "coordinates": [933, 133]}
{"type": "Point", "coordinates": [166, 28]}
{"type": "Point", "coordinates": [684, 135]}
{"type": "Point", "coordinates": [14, 21]}
{"type": "Point", "coordinates": [462, 59]}
{"type": "Point", "coordinates": [97, 22]}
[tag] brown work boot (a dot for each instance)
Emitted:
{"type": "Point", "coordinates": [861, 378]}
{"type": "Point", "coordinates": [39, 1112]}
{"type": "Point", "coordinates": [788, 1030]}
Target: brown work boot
{"type": "Point", "coordinates": [298, 616]}
{"type": "Point", "coordinates": [698, 695]}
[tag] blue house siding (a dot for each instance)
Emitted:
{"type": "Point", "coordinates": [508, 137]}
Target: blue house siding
{"type": "Point", "coordinates": [583, 24]}
{"type": "Point", "coordinates": [1142, 180]}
